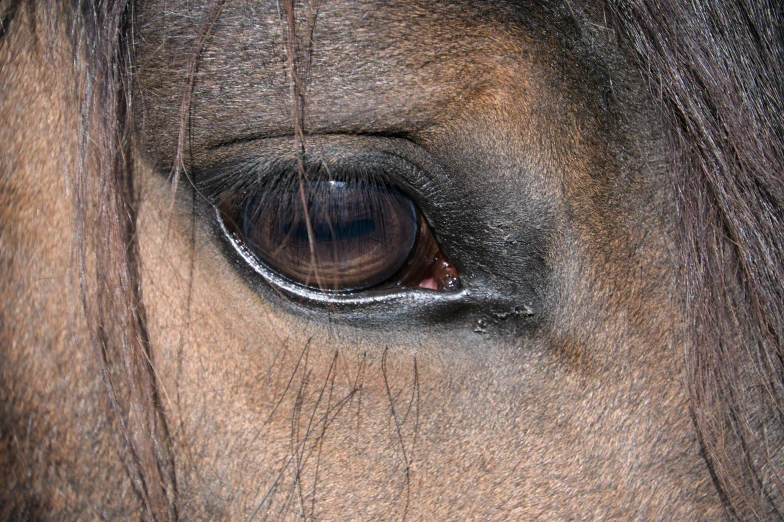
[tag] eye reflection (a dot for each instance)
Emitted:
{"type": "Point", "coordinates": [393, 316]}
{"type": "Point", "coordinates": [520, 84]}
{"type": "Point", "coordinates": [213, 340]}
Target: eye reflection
{"type": "Point", "coordinates": [349, 237]}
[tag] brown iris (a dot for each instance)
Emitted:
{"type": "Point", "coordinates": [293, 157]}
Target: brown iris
{"type": "Point", "coordinates": [347, 237]}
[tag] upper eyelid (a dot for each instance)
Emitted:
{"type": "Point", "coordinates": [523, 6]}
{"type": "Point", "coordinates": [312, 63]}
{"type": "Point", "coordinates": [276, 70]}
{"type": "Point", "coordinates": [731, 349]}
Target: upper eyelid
{"type": "Point", "coordinates": [382, 161]}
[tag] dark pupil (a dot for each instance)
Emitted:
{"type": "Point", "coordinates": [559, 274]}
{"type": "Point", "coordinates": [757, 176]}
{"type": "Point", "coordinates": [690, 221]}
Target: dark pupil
{"type": "Point", "coordinates": [337, 232]}
{"type": "Point", "coordinates": [359, 235]}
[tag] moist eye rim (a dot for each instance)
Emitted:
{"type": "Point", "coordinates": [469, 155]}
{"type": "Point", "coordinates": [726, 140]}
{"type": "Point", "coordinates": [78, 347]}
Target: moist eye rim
{"type": "Point", "coordinates": [303, 295]}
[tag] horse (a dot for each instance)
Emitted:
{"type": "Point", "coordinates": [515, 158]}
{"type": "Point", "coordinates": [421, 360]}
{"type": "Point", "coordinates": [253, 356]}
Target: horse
{"type": "Point", "coordinates": [308, 259]}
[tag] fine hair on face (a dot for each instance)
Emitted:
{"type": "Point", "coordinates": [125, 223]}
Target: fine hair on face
{"type": "Point", "coordinates": [306, 259]}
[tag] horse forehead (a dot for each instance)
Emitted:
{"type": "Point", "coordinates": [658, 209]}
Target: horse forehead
{"type": "Point", "coordinates": [364, 66]}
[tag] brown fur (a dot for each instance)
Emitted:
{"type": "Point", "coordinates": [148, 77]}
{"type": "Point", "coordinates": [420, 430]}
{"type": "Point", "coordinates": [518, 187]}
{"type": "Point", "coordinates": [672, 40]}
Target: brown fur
{"type": "Point", "coordinates": [148, 373]}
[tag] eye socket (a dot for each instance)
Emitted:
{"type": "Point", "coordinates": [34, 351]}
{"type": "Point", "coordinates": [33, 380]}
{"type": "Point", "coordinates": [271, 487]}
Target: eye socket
{"type": "Point", "coordinates": [349, 237]}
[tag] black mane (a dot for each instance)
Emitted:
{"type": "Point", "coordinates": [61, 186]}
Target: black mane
{"type": "Point", "coordinates": [716, 67]}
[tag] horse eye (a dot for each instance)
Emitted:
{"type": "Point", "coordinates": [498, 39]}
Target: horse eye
{"type": "Point", "coordinates": [342, 237]}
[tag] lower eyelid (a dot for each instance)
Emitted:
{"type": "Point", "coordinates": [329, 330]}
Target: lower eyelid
{"type": "Point", "coordinates": [389, 301]}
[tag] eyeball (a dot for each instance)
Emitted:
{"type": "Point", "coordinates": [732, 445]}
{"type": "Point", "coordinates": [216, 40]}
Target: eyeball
{"type": "Point", "coordinates": [332, 235]}
{"type": "Point", "coordinates": [338, 232]}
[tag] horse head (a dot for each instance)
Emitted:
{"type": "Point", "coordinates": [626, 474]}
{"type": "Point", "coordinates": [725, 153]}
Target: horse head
{"type": "Point", "coordinates": [389, 260]}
